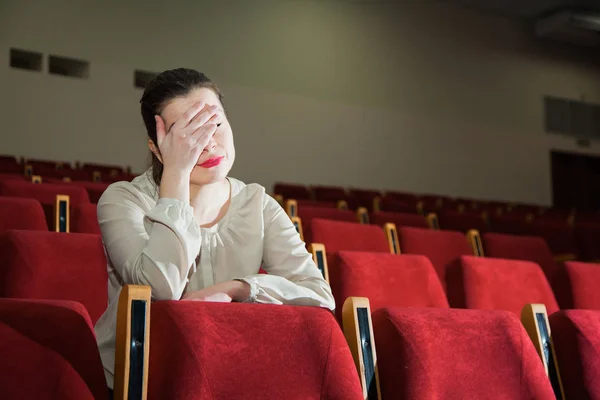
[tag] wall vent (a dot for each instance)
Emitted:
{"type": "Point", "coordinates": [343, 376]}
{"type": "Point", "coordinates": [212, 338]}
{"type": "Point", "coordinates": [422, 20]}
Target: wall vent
{"type": "Point", "coordinates": [64, 66]}
{"type": "Point", "coordinates": [28, 60]}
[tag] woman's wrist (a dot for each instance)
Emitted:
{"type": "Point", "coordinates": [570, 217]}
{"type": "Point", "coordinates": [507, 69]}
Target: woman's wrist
{"type": "Point", "coordinates": [175, 184]}
{"type": "Point", "coordinates": [240, 290]}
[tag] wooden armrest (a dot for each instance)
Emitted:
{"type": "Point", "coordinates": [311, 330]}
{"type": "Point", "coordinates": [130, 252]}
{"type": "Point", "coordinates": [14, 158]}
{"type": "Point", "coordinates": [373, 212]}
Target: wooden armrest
{"type": "Point", "coordinates": [28, 171]}
{"type": "Point", "coordinates": [132, 343]}
{"type": "Point", "coordinates": [97, 176]}
{"type": "Point", "coordinates": [320, 258]}
{"type": "Point", "coordinates": [358, 329]}
{"type": "Point", "coordinates": [61, 213]}
{"type": "Point", "coordinates": [279, 199]}
{"type": "Point", "coordinates": [291, 207]}
{"type": "Point", "coordinates": [432, 221]}
{"type": "Point", "coordinates": [298, 224]}
{"type": "Point", "coordinates": [36, 179]}
{"type": "Point", "coordinates": [362, 215]}
{"type": "Point", "coordinates": [377, 204]}
{"type": "Point", "coordinates": [535, 320]}
{"type": "Point", "coordinates": [475, 241]}
{"type": "Point", "coordinates": [342, 205]}
{"type": "Point", "coordinates": [392, 236]}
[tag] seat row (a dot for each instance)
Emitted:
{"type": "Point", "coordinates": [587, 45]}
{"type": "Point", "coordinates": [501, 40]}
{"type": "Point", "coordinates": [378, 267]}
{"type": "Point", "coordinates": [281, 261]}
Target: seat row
{"type": "Point", "coordinates": [425, 350]}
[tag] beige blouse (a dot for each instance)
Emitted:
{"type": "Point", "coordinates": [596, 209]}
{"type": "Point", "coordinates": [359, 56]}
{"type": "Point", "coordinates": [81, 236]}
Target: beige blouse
{"type": "Point", "coordinates": [157, 242]}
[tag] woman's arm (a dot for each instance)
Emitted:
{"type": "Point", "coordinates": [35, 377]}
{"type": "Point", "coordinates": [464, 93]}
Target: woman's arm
{"type": "Point", "coordinates": [155, 248]}
{"type": "Point", "coordinates": [293, 277]}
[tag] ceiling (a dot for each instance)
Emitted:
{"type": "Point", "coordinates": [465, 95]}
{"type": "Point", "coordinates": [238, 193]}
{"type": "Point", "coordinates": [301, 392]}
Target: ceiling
{"type": "Point", "coordinates": [528, 8]}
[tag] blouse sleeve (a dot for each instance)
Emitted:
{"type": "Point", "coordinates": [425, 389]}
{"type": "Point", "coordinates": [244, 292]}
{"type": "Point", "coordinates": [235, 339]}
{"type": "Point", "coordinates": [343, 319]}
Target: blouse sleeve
{"type": "Point", "coordinates": [155, 248]}
{"type": "Point", "coordinates": [293, 277]}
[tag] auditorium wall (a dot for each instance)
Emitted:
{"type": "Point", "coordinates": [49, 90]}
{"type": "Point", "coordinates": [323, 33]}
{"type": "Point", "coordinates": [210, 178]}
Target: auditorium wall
{"type": "Point", "coordinates": [417, 97]}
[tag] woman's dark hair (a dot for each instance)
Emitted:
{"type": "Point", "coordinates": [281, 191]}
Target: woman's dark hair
{"type": "Point", "coordinates": [164, 88]}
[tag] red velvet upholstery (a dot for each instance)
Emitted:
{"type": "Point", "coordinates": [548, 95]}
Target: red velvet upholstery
{"type": "Point", "coordinates": [10, 165]}
{"type": "Point", "coordinates": [48, 351]}
{"type": "Point", "coordinates": [46, 194]}
{"type": "Point", "coordinates": [526, 248]}
{"type": "Point", "coordinates": [430, 353]}
{"type": "Point", "coordinates": [363, 198]}
{"type": "Point", "coordinates": [84, 219]}
{"type": "Point", "coordinates": [254, 351]}
{"type": "Point", "coordinates": [587, 236]}
{"type": "Point", "coordinates": [12, 177]}
{"type": "Point", "coordinates": [18, 213]}
{"type": "Point", "coordinates": [104, 169]}
{"type": "Point", "coordinates": [576, 286]}
{"type": "Point", "coordinates": [399, 219]}
{"type": "Point", "coordinates": [462, 222]}
{"type": "Point", "coordinates": [558, 235]}
{"type": "Point", "coordinates": [576, 335]}
{"type": "Point", "coordinates": [50, 265]}
{"type": "Point", "coordinates": [292, 191]}
{"type": "Point", "coordinates": [408, 205]}
{"type": "Point", "coordinates": [329, 193]}
{"type": "Point", "coordinates": [497, 284]}
{"type": "Point", "coordinates": [94, 189]}
{"type": "Point", "coordinates": [512, 223]}
{"type": "Point", "coordinates": [387, 280]}
{"type": "Point", "coordinates": [315, 204]}
{"type": "Point", "coordinates": [308, 214]}
{"type": "Point", "coordinates": [339, 236]}
{"type": "Point", "coordinates": [441, 247]}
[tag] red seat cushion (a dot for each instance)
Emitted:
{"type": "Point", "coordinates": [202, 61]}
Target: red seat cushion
{"type": "Point", "coordinates": [50, 265]}
{"type": "Point", "coordinates": [48, 350]}
{"type": "Point", "coordinates": [526, 248]}
{"type": "Point", "coordinates": [339, 236]}
{"type": "Point", "coordinates": [16, 213]}
{"type": "Point", "coordinates": [399, 219]}
{"type": "Point", "coordinates": [387, 280]}
{"type": "Point", "coordinates": [84, 219]}
{"type": "Point", "coordinates": [576, 286]}
{"type": "Point", "coordinates": [228, 350]}
{"type": "Point", "coordinates": [576, 335]}
{"type": "Point", "coordinates": [456, 354]}
{"type": "Point", "coordinates": [497, 284]}
{"type": "Point", "coordinates": [441, 247]}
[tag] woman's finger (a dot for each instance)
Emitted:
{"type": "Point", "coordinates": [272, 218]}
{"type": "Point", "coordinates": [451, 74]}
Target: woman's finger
{"type": "Point", "coordinates": [202, 135]}
{"type": "Point", "coordinates": [160, 130]}
{"type": "Point", "coordinates": [202, 119]}
{"type": "Point", "coordinates": [187, 116]}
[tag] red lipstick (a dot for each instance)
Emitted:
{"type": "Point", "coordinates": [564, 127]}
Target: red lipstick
{"type": "Point", "coordinates": [212, 162]}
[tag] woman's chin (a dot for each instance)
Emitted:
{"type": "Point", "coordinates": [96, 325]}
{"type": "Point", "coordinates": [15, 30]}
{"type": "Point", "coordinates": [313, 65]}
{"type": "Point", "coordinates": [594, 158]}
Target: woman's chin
{"type": "Point", "coordinates": [206, 176]}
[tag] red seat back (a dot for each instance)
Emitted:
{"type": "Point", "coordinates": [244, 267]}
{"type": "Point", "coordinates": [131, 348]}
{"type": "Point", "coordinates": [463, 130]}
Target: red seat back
{"type": "Point", "coordinates": [425, 354]}
{"type": "Point", "coordinates": [462, 222]}
{"type": "Point", "coordinates": [292, 191]}
{"type": "Point", "coordinates": [511, 224]}
{"type": "Point", "coordinates": [48, 350]}
{"type": "Point", "coordinates": [497, 284]}
{"type": "Point", "coordinates": [576, 286]}
{"type": "Point", "coordinates": [228, 350]}
{"type": "Point", "coordinates": [329, 193]}
{"type": "Point", "coordinates": [526, 248]}
{"type": "Point", "coordinates": [558, 235]}
{"type": "Point", "coordinates": [387, 280]}
{"type": "Point", "coordinates": [84, 219]}
{"type": "Point", "coordinates": [587, 236]}
{"type": "Point", "coordinates": [441, 247]}
{"type": "Point", "coordinates": [339, 236]}
{"type": "Point", "coordinates": [16, 213]}
{"type": "Point", "coordinates": [44, 193]}
{"type": "Point", "coordinates": [308, 214]}
{"type": "Point", "coordinates": [59, 266]}
{"type": "Point", "coordinates": [576, 335]}
{"type": "Point", "coordinates": [399, 219]}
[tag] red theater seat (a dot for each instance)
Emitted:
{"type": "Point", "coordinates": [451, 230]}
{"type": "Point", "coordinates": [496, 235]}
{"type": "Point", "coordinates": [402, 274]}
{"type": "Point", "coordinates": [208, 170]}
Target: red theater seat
{"type": "Point", "coordinates": [587, 236]}
{"type": "Point", "coordinates": [104, 169]}
{"type": "Point", "coordinates": [456, 354]}
{"type": "Point", "coordinates": [308, 214]}
{"type": "Point", "coordinates": [292, 191]}
{"type": "Point", "coordinates": [329, 193]}
{"type": "Point", "coordinates": [526, 248]}
{"type": "Point", "coordinates": [59, 266]}
{"type": "Point", "coordinates": [576, 286]}
{"type": "Point", "coordinates": [497, 284]}
{"type": "Point", "coordinates": [48, 351]}
{"type": "Point", "coordinates": [84, 219]}
{"type": "Point", "coordinates": [362, 198]}
{"type": "Point", "coordinates": [462, 222]}
{"type": "Point", "coordinates": [511, 224]}
{"type": "Point", "coordinates": [387, 280]}
{"type": "Point", "coordinates": [441, 247]}
{"type": "Point", "coordinates": [16, 213]}
{"type": "Point", "coordinates": [229, 351]}
{"type": "Point", "coordinates": [398, 219]}
{"type": "Point", "coordinates": [576, 335]}
{"type": "Point", "coordinates": [339, 236]}
{"type": "Point", "coordinates": [558, 235]}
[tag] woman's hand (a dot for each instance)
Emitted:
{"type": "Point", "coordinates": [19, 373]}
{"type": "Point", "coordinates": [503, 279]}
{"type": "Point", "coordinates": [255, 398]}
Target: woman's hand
{"type": "Point", "coordinates": [182, 143]}
{"type": "Point", "coordinates": [224, 292]}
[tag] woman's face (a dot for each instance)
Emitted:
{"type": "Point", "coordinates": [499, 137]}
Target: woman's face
{"type": "Point", "coordinates": [221, 144]}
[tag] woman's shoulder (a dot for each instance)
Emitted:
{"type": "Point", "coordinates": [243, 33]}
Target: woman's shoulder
{"type": "Point", "coordinates": [251, 194]}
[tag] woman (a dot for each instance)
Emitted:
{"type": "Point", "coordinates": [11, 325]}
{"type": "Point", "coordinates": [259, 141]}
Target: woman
{"type": "Point", "coordinates": [189, 231]}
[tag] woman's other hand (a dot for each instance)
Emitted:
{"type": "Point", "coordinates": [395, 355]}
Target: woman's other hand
{"type": "Point", "coordinates": [224, 292]}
